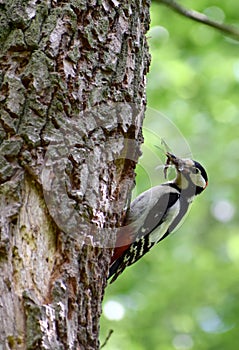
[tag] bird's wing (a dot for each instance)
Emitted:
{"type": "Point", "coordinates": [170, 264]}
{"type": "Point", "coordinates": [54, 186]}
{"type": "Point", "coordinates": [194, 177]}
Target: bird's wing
{"type": "Point", "coordinates": [152, 211]}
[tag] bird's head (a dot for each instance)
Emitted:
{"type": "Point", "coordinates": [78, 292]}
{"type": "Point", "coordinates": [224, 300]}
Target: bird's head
{"type": "Point", "coordinates": [191, 176]}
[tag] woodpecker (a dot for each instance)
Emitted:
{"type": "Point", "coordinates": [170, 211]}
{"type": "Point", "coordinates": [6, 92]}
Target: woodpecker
{"type": "Point", "coordinates": [155, 213]}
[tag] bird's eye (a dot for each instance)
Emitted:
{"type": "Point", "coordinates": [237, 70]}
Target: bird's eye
{"type": "Point", "coordinates": [197, 171]}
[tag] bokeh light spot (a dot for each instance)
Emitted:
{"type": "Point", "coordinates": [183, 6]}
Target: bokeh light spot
{"type": "Point", "coordinates": [113, 310]}
{"type": "Point", "coordinates": [223, 210]}
{"type": "Point", "coordinates": [183, 342]}
{"type": "Point", "coordinates": [215, 13]}
{"type": "Point", "coordinates": [209, 320]}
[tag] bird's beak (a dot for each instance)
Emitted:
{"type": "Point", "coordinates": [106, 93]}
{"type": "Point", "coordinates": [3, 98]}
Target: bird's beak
{"type": "Point", "coordinates": [172, 159]}
{"type": "Point", "coordinates": [179, 163]}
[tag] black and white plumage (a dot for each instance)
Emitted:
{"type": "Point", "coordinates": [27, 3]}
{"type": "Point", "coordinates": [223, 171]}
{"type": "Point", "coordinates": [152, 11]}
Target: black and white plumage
{"type": "Point", "coordinates": [155, 213]}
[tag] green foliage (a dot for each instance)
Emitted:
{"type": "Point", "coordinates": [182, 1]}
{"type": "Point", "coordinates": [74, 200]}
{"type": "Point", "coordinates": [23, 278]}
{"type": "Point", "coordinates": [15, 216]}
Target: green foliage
{"type": "Point", "coordinates": [184, 294]}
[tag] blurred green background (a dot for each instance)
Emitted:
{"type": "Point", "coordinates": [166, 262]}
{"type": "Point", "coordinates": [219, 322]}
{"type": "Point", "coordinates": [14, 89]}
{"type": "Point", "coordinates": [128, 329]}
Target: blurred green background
{"type": "Point", "coordinates": [184, 294]}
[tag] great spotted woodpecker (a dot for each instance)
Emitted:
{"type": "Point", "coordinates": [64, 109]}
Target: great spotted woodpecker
{"type": "Point", "coordinates": [155, 213]}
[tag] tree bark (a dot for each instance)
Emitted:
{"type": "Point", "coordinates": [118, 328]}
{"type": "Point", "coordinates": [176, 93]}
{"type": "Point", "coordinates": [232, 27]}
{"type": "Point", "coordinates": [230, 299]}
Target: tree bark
{"type": "Point", "coordinates": [72, 104]}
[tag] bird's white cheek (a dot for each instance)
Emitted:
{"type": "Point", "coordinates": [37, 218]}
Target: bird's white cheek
{"type": "Point", "coordinates": [198, 180]}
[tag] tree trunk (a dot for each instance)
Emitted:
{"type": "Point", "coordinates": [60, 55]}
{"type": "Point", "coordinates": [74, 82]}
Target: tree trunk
{"type": "Point", "coordinates": [72, 104]}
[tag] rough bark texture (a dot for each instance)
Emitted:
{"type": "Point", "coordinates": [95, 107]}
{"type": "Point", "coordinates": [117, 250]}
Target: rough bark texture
{"type": "Point", "coordinates": [72, 103]}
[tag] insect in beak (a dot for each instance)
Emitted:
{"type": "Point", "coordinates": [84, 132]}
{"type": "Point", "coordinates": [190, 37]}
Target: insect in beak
{"type": "Point", "coordinates": [172, 159]}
